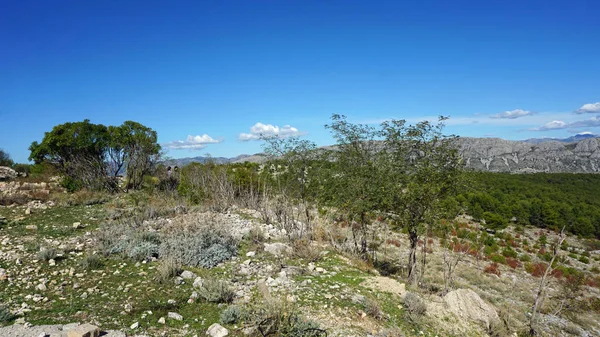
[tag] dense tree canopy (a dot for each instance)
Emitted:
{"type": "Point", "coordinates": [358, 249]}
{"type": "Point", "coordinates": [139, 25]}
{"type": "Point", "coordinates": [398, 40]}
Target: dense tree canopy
{"type": "Point", "coordinates": [547, 200]}
{"type": "Point", "coordinates": [91, 155]}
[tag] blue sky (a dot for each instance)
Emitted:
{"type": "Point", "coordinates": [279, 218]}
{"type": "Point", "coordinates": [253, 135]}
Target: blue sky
{"type": "Point", "coordinates": [205, 73]}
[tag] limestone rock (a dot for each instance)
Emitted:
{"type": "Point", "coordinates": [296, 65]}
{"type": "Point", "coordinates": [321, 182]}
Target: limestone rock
{"type": "Point", "coordinates": [465, 303]}
{"type": "Point", "coordinates": [84, 330]}
{"type": "Point", "coordinates": [216, 330]}
{"type": "Point", "coordinates": [188, 275]}
{"type": "Point", "coordinates": [277, 248]}
{"type": "Point", "coordinates": [7, 173]}
{"type": "Point", "coordinates": [175, 316]}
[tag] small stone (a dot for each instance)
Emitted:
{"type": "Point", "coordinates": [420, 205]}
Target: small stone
{"type": "Point", "coordinates": [84, 330]}
{"type": "Point", "coordinates": [197, 283]}
{"type": "Point", "coordinates": [134, 325]}
{"type": "Point", "coordinates": [41, 287]}
{"type": "Point", "coordinates": [162, 320]}
{"type": "Point", "coordinates": [52, 262]}
{"type": "Point", "coordinates": [77, 225]}
{"type": "Point", "coordinates": [188, 275]}
{"type": "Point", "coordinates": [31, 227]}
{"type": "Point", "coordinates": [28, 211]}
{"type": "Point", "coordinates": [175, 316]}
{"type": "Point", "coordinates": [171, 302]}
{"type": "Point", "coordinates": [216, 330]}
{"type": "Point", "coordinates": [250, 254]}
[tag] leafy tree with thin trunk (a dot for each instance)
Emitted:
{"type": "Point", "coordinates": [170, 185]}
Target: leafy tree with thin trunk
{"type": "Point", "coordinates": [356, 183]}
{"type": "Point", "coordinates": [422, 168]}
{"type": "Point", "coordinates": [293, 160]}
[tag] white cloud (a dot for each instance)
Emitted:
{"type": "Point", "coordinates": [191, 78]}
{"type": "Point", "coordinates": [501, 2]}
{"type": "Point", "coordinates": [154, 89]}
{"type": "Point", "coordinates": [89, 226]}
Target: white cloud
{"type": "Point", "coordinates": [512, 114]}
{"type": "Point", "coordinates": [589, 108]}
{"type": "Point", "coordinates": [593, 122]}
{"type": "Point", "coordinates": [192, 142]}
{"type": "Point", "coordinates": [260, 130]}
{"type": "Point", "coordinates": [554, 125]}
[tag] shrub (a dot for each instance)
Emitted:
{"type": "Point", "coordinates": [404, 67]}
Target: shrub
{"type": "Point", "coordinates": [281, 319]}
{"type": "Point", "coordinates": [47, 254]}
{"type": "Point", "coordinates": [509, 252]}
{"type": "Point", "coordinates": [498, 259]}
{"type": "Point", "coordinates": [167, 270]}
{"type": "Point", "coordinates": [5, 315]}
{"type": "Point", "coordinates": [536, 269]}
{"type": "Point", "coordinates": [584, 259]}
{"type": "Point", "coordinates": [373, 309]}
{"type": "Point", "coordinates": [142, 250]}
{"type": "Point", "coordinates": [90, 261]}
{"type": "Point", "coordinates": [128, 242]}
{"type": "Point", "coordinates": [492, 268]}
{"type": "Point", "coordinates": [304, 250]}
{"type": "Point", "coordinates": [513, 263]}
{"type": "Point", "coordinates": [525, 258]}
{"type": "Point", "coordinates": [231, 315]}
{"type": "Point", "coordinates": [206, 248]}
{"type": "Point", "coordinates": [414, 304]}
{"type": "Point", "coordinates": [216, 291]}
{"type": "Point", "coordinates": [489, 250]}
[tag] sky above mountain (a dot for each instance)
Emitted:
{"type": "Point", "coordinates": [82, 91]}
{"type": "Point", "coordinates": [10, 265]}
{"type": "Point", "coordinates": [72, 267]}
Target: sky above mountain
{"type": "Point", "coordinates": [210, 76]}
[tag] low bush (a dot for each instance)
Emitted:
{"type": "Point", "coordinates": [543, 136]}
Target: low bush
{"type": "Point", "coordinates": [206, 248]}
{"type": "Point", "coordinates": [513, 263]}
{"type": "Point", "coordinates": [509, 252]}
{"type": "Point", "coordinates": [498, 259]}
{"type": "Point", "coordinates": [231, 315]}
{"type": "Point", "coordinates": [584, 259]}
{"type": "Point", "coordinates": [166, 271]}
{"type": "Point", "coordinates": [524, 258]}
{"type": "Point", "coordinates": [492, 268]}
{"type": "Point", "coordinates": [47, 254]}
{"type": "Point", "coordinates": [279, 319]}
{"type": "Point", "coordinates": [91, 261]}
{"type": "Point", "coordinates": [373, 309]}
{"type": "Point", "coordinates": [414, 305]}
{"type": "Point", "coordinates": [216, 291]}
{"type": "Point", "coordinates": [536, 269]}
{"type": "Point", "coordinates": [5, 315]}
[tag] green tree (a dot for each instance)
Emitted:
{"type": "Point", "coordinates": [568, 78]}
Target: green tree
{"type": "Point", "coordinates": [77, 150]}
{"type": "Point", "coordinates": [5, 159]}
{"type": "Point", "coordinates": [292, 160]}
{"type": "Point", "coordinates": [356, 179]}
{"type": "Point", "coordinates": [422, 169]}
{"type": "Point", "coordinates": [141, 151]}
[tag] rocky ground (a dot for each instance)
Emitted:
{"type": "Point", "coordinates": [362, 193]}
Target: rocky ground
{"type": "Point", "coordinates": [50, 284]}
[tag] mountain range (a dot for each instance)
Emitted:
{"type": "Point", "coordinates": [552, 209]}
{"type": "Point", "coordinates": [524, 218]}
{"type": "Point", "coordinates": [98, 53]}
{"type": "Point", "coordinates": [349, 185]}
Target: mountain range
{"type": "Point", "coordinates": [575, 154]}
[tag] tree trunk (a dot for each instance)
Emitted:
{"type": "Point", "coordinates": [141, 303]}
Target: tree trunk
{"type": "Point", "coordinates": [412, 257]}
{"type": "Point", "coordinates": [539, 298]}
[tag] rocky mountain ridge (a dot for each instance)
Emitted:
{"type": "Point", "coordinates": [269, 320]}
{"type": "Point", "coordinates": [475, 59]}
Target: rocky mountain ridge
{"type": "Point", "coordinates": [500, 155]}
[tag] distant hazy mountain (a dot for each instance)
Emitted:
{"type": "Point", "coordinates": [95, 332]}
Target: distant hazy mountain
{"type": "Point", "coordinates": [576, 138]}
{"type": "Point", "coordinates": [202, 159]}
{"type": "Point", "coordinates": [576, 154]}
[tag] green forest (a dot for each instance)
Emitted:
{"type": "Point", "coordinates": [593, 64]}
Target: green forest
{"type": "Point", "coordinates": [546, 200]}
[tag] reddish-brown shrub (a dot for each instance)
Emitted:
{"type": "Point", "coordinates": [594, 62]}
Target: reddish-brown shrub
{"type": "Point", "coordinates": [492, 268]}
{"type": "Point", "coordinates": [393, 242]}
{"type": "Point", "coordinates": [537, 269]}
{"type": "Point", "coordinates": [429, 241]}
{"type": "Point", "coordinates": [513, 263]}
{"type": "Point", "coordinates": [460, 247]}
{"type": "Point", "coordinates": [518, 236]}
{"type": "Point", "coordinates": [557, 273]}
{"type": "Point", "coordinates": [592, 282]}
{"type": "Point", "coordinates": [474, 253]}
